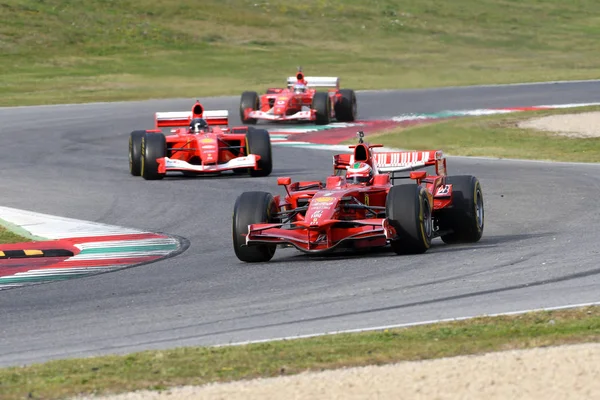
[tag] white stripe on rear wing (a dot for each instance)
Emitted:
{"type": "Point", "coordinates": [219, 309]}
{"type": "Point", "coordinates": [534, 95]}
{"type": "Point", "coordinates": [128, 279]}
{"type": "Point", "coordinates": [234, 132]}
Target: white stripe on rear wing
{"type": "Point", "coordinates": [182, 118]}
{"type": "Point", "coordinates": [316, 81]}
{"type": "Point", "coordinates": [406, 160]}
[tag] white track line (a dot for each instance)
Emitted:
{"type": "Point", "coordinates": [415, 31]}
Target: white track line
{"type": "Point", "coordinates": [407, 325]}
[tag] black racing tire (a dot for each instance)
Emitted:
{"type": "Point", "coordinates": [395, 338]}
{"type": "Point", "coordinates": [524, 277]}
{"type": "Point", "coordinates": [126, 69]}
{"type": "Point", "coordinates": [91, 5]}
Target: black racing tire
{"type": "Point", "coordinates": [135, 152]}
{"type": "Point", "coordinates": [322, 104]}
{"type": "Point", "coordinates": [154, 145]}
{"type": "Point", "coordinates": [346, 108]}
{"type": "Point", "coordinates": [249, 100]}
{"type": "Point", "coordinates": [466, 217]}
{"type": "Point", "coordinates": [252, 208]}
{"type": "Point", "coordinates": [258, 142]}
{"type": "Point", "coordinates": [408, 211]}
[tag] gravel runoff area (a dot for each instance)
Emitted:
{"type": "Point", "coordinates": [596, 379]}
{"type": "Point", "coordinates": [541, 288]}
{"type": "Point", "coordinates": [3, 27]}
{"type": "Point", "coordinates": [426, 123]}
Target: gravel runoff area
{"type": "Point", "coordinates": [583, 125]}
{"type": "Point", "coordinates": [564, 372]}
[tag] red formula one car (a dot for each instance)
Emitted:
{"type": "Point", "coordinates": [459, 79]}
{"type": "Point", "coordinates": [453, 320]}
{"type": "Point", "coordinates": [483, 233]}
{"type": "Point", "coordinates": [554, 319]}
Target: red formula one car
{"type": "Point", "coordinates": [359, 207]}
{"type": "Point", "coordinates": [200, 143]}
{"type": "Point", "coordinates": [300, 101]}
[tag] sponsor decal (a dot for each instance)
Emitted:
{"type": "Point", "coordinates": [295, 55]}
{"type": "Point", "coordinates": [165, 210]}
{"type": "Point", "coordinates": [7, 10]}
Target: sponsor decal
{"type": "Point", "coordinates": [325, 199]}
{"type": "Point", "coordinates": [317, 214]}
{"type": "Point", "coordinates": [206, 140]}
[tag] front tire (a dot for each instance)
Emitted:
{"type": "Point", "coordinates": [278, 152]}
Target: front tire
{"type": "Point", "coordinates": [258, 142]}
{"type": "Point", "coordinates": [135, 152]}
{"type": "Point", "coordinates": [252, 208]}
{"type": "Point", "coordinates": [322, 104]}
{"type": "Point", "coordinates": [249, 100]}
{"type": "Point", "coordinates": [154, 145]}
{"type": "Point", "coordinates": [346, 108]}
{"type": "Point", "coordinates": [408, 210]}
{"type": "Point", "coordinates": [466, 217]}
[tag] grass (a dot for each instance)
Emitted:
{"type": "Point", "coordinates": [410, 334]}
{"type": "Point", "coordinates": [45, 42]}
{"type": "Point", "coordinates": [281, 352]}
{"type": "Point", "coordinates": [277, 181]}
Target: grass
{"type": "Point", "coordinates": [157, 370]}
{"type": "Point", "coordinates": [495, 136]}
{"type": "Point", "coordinates": [7, 237]}
{"type": "Point", "coordinates": [57, 51]}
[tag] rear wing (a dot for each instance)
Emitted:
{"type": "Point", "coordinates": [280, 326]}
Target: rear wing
{"type": "Point", "coordinates": [397, 161]}
{"type": "Point", "coordinates": [174, 119]}
{"type": "Point", "coordinates": [183, 118]}
{"type": "Point", "coordinates": [316, 81]}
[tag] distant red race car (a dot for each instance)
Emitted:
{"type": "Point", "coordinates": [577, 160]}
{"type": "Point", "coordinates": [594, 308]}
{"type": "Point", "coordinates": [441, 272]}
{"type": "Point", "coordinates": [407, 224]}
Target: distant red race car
{"type": "Point", "coordinates": [359, 207]}
{"type": "Point", "coordinates": [300, 101]}
{"type": "Point", "coordinates": [200, 143]}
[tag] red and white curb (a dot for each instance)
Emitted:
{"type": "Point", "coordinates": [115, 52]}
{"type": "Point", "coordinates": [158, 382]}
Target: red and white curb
{"type": "Point", "coordinates": [96, 248]}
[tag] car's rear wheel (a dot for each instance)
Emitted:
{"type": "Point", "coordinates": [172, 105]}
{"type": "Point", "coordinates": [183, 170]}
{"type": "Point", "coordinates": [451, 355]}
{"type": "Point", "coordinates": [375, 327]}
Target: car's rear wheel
{"type": "Point", "coordinates": [321, 103]}
{"type": "Point", "coordinates": [258, 142]}
{"type": "Point", "coordinates": [346, 108]}
{"type": "Point", "coordinates": [135, 152]}
{"type": "Point", "coordinates": [249, 100]}
{"type": "Point", "coordinates": [252, 208]}
{"type": "Point", "coordinates": [466, 218]}
{"type": "Point", "coordinates": [154, 146]}
{"type": "Point", "coordinates": [409, 212]}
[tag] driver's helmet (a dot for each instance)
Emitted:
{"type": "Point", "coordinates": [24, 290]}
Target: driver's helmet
{"type": "Point", "coordinates": [359, 172]}
{"type": "Point", "coordinates": [198, 125]}
{"type": "Point", "coordinates": [299, 88]}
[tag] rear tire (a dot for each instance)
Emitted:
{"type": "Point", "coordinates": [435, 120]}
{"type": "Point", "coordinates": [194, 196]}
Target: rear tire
{"type": "Point", "coordinates": [346, 108]}
{"type": "Point", "coordinates": [322, 104]}
{"type": "Point", "coordinates": [135, 152]}
{"type": "Point", "coordinates": [249, 100]}
{"type": "Point", "coordinates": [252, 208]}
{"type": "Point", "coordinates": [258, 142]}
{"type": "Point", "coordinates": [154, 145]}
{"type": "Point", "coordinates": [409, 212]}
{"type": "Point", "coordinates": [466, 217]}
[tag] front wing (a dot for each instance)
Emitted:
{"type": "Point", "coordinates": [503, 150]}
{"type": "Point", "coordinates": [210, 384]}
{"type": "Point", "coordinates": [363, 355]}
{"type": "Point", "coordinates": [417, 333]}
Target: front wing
{"type": "Point", "coordinates": [167, 164]}
{"type": "Point", "coordinates": [322, 238]}
{"type": "Point", "coordinates": [308, 115]}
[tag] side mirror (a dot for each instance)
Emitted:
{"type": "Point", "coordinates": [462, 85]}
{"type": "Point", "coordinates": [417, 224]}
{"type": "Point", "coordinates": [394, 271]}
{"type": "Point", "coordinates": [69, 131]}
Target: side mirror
{"type": "Point", "coordinates": [418, 175]}
{"type": "Point", "coordinates": [284, 181]}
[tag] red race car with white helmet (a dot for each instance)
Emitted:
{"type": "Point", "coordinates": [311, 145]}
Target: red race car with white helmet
{"type": "Point", "coordinates": [200, 143]}
{"type": "Point", "coordinates": [301, 101]}
{"type": "Point", "coordinates": [359, 207]}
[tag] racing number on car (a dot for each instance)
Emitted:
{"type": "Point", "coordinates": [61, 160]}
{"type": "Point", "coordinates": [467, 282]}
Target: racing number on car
{"type": "Point", "coordinates": [445, 189]}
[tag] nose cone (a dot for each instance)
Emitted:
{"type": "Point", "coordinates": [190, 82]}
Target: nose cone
{"type": "Point", "coordinates": [209, 150]}
{"type": "Point", "coordinates": [280, 106]}
{"type": "Point", "coordinates": [322, 208]}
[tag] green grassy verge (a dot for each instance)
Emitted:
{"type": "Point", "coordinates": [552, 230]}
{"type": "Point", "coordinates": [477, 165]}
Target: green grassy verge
{"type": "Point", "coordinates": [57, 51]}
{"type": "Point", "coordinates": [7, 236]}
{"type": "Point", "coordinates": [495, 136]}
{"type": "Point", "coordinates": [158, 370]}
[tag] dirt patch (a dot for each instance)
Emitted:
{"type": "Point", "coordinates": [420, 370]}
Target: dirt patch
{"type": "Point", "coordinates": [582, 125]}
{"type": "Point", "coordinates": [565, 372]}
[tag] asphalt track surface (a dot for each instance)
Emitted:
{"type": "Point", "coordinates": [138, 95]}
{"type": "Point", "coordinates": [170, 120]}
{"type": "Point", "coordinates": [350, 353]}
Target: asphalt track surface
{"type": "Point", "coordinates": [539, 247]}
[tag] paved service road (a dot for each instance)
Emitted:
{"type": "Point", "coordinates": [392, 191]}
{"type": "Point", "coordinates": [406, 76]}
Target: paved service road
{"type": "Point", "coordinates": [539, 247]}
